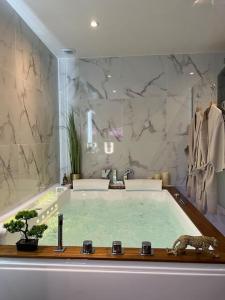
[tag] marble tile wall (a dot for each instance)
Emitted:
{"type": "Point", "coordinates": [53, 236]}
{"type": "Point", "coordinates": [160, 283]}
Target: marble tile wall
{"type": "Point", "coordinates": [143, 105]}
{"type": "Point", "coordinates": [28, 112]}
{"type": "Point", "coordinates": [68, 71]}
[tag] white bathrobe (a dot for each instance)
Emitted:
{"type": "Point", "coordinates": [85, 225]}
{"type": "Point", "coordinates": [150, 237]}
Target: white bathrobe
{"type": "Point", "coordinates": [194, 155]}
{"type": "Point", "coordinates": [211, 159]}
{"type": "Point", "coordinates": [191, 130]}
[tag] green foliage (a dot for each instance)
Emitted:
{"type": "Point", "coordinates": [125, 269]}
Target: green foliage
{"type": "Point", "coordinates": [74, 145]}
{"type": "Point", "coordinates": [37, 231]}
{"type": "Point", "coordinates": [14, 226]}
{"type": "Point", "coordinates": [26, 215]}
{"type": "Point", "coordinates": [20, 224]}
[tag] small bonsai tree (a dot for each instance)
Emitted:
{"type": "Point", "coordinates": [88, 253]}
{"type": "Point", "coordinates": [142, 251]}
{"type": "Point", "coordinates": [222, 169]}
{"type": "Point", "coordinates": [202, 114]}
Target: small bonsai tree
{"type": "Point", "coordinates": [20, 224]}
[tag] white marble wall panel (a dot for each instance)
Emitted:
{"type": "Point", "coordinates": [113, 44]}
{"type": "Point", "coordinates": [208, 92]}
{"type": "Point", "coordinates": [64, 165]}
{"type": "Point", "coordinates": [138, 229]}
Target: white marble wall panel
{"type": "Point", "coordinates": [68, 97]}
{"type": "Point", "coordinates": [148, 101]}
{"type": "Point", "coordinates": [115, 78]}
{"type": "Point", "coordinates": [29, 112]}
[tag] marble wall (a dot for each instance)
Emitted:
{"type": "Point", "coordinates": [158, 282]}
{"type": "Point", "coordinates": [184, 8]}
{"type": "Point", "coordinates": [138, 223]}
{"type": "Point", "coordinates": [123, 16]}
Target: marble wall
{"type": "Point", "coordinates": [28, 112]}
{"type": "Point", "coordinates": [68, 70]}
{"type": "Point", "coordinates": [142, 105]}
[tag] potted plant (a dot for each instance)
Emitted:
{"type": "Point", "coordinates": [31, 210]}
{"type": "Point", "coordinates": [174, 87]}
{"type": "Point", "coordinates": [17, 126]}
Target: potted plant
{"type": "Point", "coordinates": [74, 147]}
{"type": "Point", "coordinates": [29, 242]}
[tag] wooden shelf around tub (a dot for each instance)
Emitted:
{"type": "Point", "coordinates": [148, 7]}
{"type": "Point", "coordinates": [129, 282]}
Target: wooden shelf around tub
{"type": "Point", "coordinates": [200, 221]}
{"type": "Point", "coordinates": [103, 253]}
{"type": "Point", "coordinates": [132, 254]}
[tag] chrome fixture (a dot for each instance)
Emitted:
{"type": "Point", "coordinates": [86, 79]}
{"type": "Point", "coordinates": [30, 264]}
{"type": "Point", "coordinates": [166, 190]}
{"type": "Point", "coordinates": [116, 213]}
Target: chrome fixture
{"type": "Point", "coordinates": [114, 176]}
{"type": "Point", "coordinates": [177, 195]}
{"type": "Point", "coordinates": [60, 247]}
{"type": "Point", "coordinates": [87, 247]}
{"type": "Point", "coordinates": [117, 248]}
{"type": "Point", "coordinates": [179, 199]}
{"type": "Point", "coordinates": [127, 172]}
{"type": "Point", "coordinates": [146, 248]}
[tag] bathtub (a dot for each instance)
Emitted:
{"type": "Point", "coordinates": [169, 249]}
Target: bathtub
{"type": "Point", "coordinates": [104, 216]}
{"type": "Point", "coordinates": [84, 279]}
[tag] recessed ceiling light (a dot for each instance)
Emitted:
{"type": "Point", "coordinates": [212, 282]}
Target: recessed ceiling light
{"type": "Point", "coordinates": [114, 91]}
{"type": "Point", "coordinates": [191, 73]}
{"type": "Point", "coordinates": [94, 24]}
{"type": "Point", "coordinates": [199, 2]}
{"type": "Point", "coordinates": [109, 76]}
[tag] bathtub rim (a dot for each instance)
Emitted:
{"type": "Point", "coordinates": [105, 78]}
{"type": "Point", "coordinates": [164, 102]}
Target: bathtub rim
{"type": "Point", "coordinates": [132, 254]}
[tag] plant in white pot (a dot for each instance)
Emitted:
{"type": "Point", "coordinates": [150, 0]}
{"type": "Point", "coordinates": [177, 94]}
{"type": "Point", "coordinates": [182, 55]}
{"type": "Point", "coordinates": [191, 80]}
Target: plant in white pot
{"type": "Point", "coordinates": [74, 147]}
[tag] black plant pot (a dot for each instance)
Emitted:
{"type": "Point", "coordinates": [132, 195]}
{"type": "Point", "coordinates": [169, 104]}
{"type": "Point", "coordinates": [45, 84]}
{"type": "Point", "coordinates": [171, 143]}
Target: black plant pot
{"type": "Point", "coordinates": [27, 245]}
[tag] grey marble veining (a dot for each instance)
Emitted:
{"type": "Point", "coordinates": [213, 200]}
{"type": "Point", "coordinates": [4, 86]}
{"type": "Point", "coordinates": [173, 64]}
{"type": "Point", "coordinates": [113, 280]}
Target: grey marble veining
{"type": "Point", "coordinates": [29, 139]}
{"type": "Point", "coordinates": [143, 105]}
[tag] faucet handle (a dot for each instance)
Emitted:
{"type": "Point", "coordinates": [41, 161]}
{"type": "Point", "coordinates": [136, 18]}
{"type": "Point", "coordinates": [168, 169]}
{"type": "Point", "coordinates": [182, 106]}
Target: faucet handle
{"type": "Point", "coordinates": [87, 247]}
{"type": "Point", "coordinates": [117, 248]}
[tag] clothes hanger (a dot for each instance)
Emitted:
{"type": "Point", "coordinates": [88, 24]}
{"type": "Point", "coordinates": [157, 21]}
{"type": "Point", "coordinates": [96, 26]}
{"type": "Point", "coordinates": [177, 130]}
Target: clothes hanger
{"type": "Point", "coordinates": [213, 102]}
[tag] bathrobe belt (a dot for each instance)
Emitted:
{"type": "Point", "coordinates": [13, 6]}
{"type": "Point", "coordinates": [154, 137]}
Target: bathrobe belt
{"type": "Point", "coordinates": [196, 169]}
{"type": "Point", "coordinates": [204, 169]}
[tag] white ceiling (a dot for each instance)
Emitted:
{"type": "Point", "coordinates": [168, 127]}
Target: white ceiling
{"type": "Point", "coordinates": [134, 27]}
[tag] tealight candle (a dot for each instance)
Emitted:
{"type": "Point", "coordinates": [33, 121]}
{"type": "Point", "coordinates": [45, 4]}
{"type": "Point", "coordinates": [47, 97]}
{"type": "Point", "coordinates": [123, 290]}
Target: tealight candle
{"type": "Point", "coordinates": [157, 176]}
{"type": "Point", "coordinates": [165, 178]}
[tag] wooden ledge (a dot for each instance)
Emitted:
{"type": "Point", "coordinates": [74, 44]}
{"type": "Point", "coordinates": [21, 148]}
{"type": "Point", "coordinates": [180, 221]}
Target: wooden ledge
{"type": "Point", "coordinates": [200, 221]}
{"type": "Point", "coordinates": [132, 254]}
{"type": "Point", "coordinates": [104, 253]}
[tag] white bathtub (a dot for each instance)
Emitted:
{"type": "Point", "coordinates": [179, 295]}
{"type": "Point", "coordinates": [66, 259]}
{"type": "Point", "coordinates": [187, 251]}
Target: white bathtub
{"type": "Point", "coordinates": [104, 216]}
{"type": "Point", "coordinates": [36, 279]}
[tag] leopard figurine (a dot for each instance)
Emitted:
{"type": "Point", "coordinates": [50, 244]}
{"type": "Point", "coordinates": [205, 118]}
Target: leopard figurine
{"type": "Point", "coordinates": [198, 242]}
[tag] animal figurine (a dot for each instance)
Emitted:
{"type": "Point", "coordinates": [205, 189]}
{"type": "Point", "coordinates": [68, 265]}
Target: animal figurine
{"type": "Point", "coordinates": [198, 242]}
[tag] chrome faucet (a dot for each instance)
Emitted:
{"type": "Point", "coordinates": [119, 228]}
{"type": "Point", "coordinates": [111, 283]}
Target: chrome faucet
{"type": "Point", "coordinates": [60, 247]}
{"type": "Point", "coordinates": [127, 172]}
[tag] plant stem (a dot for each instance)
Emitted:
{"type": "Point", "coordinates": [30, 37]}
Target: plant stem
{"type": "Point", "coordinates": [26, 230]}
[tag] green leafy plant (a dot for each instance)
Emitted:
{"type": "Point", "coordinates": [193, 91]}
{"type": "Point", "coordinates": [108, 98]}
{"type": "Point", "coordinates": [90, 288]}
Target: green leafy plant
{"type": "Point", "coordinates": [20, 224]}
{"type": "Point", "coordinates": [74, 145]}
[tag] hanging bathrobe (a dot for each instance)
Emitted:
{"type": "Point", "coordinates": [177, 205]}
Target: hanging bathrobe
{"type": "Point", "coordinates": [194, 154]}
{"type": "Point", "coordinates": [212, 149]}
{"type": "Point", "coordinates": [191, 129]}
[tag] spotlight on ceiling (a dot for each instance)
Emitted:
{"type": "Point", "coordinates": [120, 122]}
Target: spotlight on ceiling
{"type": "Point", "coordinates": [94, 24]}
{"type": "Point", "coordinates": [199, 2]}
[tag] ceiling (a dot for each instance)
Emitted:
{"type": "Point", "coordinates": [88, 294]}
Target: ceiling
{"type": "Point", "coordinates": [134, 27]}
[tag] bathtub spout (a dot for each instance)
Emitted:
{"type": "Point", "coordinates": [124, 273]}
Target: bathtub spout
{"type": "Point", "coordinates": [127, 172]}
